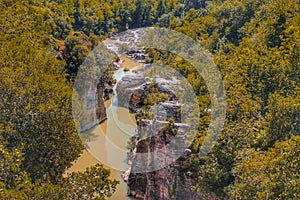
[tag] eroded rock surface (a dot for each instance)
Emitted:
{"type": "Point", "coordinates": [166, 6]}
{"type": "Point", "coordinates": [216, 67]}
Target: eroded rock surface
{"type": "Point", "coordinates": [93, 103]}
{"type": "Point", "coordinates": [133, 89]}
{"type": "Point", "coordinates": [170, 181]}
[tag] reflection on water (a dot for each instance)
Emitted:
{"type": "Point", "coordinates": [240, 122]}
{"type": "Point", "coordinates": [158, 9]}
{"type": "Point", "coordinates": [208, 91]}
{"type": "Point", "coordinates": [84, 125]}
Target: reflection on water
{"type": "Point", "coordinates": [107, 142]}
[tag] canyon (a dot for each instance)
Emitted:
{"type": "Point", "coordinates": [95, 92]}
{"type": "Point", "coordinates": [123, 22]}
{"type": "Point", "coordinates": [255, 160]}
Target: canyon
{"type": "Point", "coordinates": [152, 173]}
{"type": "Point", "coordinates": [154, 166]}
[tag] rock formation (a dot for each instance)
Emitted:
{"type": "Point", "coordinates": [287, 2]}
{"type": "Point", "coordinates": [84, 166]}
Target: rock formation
{"type": "Point", "coordinates": [170, 181]}
{"type": "Point", "coordinates": [133, 89]}
{"type": "Point", "coordinates": [94, 111]}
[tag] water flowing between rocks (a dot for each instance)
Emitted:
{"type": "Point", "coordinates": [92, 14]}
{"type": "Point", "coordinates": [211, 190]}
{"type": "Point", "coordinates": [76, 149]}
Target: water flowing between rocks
{"type": "Point", "coordinates": [107, 141]}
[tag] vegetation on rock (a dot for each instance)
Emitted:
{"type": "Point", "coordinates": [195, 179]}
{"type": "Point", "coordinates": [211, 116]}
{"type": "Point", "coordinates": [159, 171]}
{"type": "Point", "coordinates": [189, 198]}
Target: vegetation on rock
{"type": "Point", "coordinates": [255, 45]}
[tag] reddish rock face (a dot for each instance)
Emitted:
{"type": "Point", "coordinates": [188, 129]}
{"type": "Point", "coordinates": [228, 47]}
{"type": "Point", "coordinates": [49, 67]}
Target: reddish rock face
{"type": "Point", "coordinates": [134, 88]}
{"type": "Point", "coordinates": [100, 109]}
{"type": "Point", "coordinates": [164, 184]}
{"type": "Point", "coordinates": [104, 92]}
{"type": "Point", "coordinates": [143, 146]}
{"type": "Point", "coordinates": [167, 183]}
{"type": "Point", "coordinates": [138, 97]}
{"type": "Point", "coordinates": [171, 181]}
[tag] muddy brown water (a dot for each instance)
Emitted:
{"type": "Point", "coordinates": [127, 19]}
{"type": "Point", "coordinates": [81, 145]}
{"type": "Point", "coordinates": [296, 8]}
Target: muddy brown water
{"type": "Point", "coordinates": [107, 142]}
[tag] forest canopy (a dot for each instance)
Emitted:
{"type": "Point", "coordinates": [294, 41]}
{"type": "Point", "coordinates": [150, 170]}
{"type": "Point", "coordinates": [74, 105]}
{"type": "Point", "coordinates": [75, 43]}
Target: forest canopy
{"type": "Point", "coordinates": [255, 44]}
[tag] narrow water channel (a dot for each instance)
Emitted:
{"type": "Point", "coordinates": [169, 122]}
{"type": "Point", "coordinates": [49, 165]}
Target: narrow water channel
{"type": "Point", "coordinates": [107, 141]}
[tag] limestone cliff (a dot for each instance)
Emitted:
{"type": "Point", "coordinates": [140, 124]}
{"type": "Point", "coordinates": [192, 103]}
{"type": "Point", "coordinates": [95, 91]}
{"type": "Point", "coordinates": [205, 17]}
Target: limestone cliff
{"type": "Point", "coordinates": [150, 147]}
{"type": "Point", "coordinates": [94, 110]}
{"type": "Point", "coordinates": [169, 182]}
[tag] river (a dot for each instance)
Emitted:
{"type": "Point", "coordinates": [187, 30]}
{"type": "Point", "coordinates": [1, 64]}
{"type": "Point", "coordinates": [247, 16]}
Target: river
{"type": "Point", "coordinates": [107, 141]}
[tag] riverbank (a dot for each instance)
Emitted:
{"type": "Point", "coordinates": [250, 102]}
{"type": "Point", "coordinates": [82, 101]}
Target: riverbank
{"type": "Point", "coordinates": [97, 150]}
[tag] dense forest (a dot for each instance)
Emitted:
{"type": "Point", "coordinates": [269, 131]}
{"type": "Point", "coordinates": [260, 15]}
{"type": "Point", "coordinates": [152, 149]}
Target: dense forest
{"type": "Point", "coordinates": [254, 43]}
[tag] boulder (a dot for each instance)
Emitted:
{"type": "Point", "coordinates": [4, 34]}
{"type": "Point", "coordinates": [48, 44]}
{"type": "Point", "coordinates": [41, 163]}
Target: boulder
{"type": "Point", "coordinates": [168, 86]}
{"type": "Point", "coordinates": [134, 88]}
{"type": "Point", "coordinates": [167, 110]}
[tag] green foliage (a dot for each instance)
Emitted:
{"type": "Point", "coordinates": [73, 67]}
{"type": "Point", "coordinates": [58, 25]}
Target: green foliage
{"type": "Point", "coordinates": [131, 143]}
{"type": "Point", "coordinates": [37, 101]}
{"type": "Point", "coordinates": [170, 127]}
{"type": "Point", "coordinates": [268, 175]}
{"type": "Point", "coordinates": [155, 97]}
{"type": "Point", "coordinates": [15, 183]}
{"type": "Point", "coordinates": [94, 183]}
{"type": "Point", "coordinates": [38, 137]}
{"type": "Point", "coordinates": [256, 47]}
{"type": "Point", "coordinates": [143, 114]}
{"type": "Point", "coordinates": [195, 4]}
{"type": "Point", "coordinates": [283, 118]}
{"type": "Point", "coordinates": [77, 48]}
{"type": "Point", "coordinates": [255, 44]}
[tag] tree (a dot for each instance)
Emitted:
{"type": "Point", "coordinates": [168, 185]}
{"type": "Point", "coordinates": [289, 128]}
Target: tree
{"type": "Point", "coordinates": [35, 98]}
{"type": "Point", "coordinates": [16, 183]}
{"type": "Point", "coordinates": [94, 183]}
{"type": "Point", "coordinates": [38, 138]}
{"type": "Point", "coordinates": [196, 4]}
{"type": "Point", "coordinates": [268, 175]}
{"type": "Point", "coordinates": [283, 118]}
{"type": "Point", "coordinates": [256, 53]}
{"type": "Point", "coordinates": [77, 47]}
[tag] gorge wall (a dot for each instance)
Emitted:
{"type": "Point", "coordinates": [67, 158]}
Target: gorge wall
{"type": "Point", "coordinates": [94, 111]}
{"type": "Point", "coordinates": [170, 181]}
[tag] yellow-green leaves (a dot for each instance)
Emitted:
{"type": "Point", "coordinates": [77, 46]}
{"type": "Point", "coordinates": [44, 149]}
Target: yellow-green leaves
{"type": "Point", "coordinates": [268, 175]}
